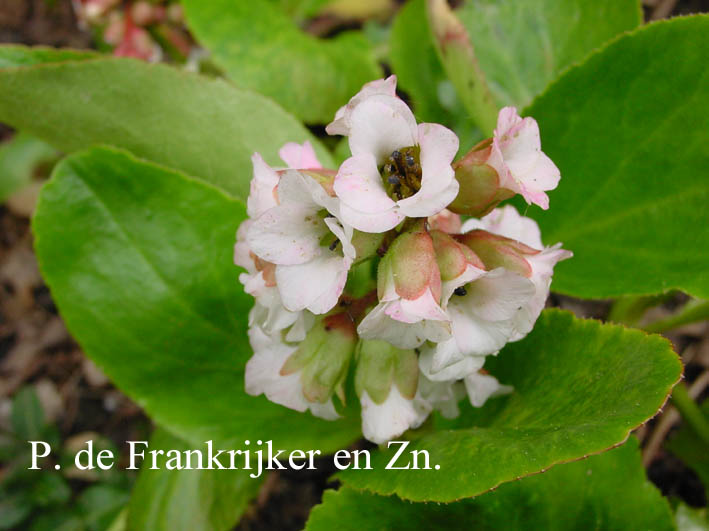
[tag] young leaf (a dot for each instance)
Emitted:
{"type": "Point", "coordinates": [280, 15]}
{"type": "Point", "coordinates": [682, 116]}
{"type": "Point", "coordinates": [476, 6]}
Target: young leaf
{"type": "Point", "coordinates": [262, 49]}
{"type": "Point", "coordinates": [139, 259]}
{"type": "Point", "coordinates": [579, 388]}
{"type": "Point", "coordinates": [692, 449]}
{"type": "Point", "coordinates": [176, 500]}
{"type": "Point", "coordinates": [205, 128]}
{"type": "Point", "coordinates": [607, 491]}
{"type": "Point", "coordinates": [19, 158]}
{"type": "Point", "coordinates": [523, 46]}
{"type": "Point", "coordinates": [27, 416]}
{"type": "Point", "coordinates": [627, 130]}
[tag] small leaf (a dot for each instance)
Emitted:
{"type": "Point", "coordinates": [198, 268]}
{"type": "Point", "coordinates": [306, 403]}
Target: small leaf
{"type": "Point", "coordinates": [19, 158]}
{"type": "Point", "coordinates": [205, 128]}
{"type": "Point", "coordinates": [579, 388]}
{"type": "Point", "coordinates": [50, 488]}
{"type": "Point", "coordinates": [28, 418]}
{"type": "Point", "coordinates": [139, 259]}
{"type": "Point", "coordinates": [607, 491]}
{"type": "Point", "coordinates": [627, 130]}
{"type": "Point", "coordinates": [99, 505]}
{"type": "Point", "coordinates": [261, 49]}
{"type": "Point", "coordinates": [175, 500]}
{"type": "Point", "coordinates": [523, 46]}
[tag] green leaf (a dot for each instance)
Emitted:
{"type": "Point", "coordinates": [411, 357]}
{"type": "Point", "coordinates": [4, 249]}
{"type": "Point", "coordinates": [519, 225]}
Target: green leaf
{"type": "Point", "coordinates": [627, 130]}
{"type": "Point", "coordinates": [607, 491]}
{"type": "Point", "coordinates": [692, 449]}
{"type": "Point", "coordinates": [27, 416]}
{"type": "Point", "coordinates": [260, 48]}
{"type": "Point", "coordinates": [420, 73]}
{"type": "Point", "coordinates": [580, 387]}
{"type": "Point", "coordinates": [99, 505]}
{"type": "Point", "coordinates": [19, 158]}
{"type": "Point", "coordinates": [50, 488]}
{"type": "Point", "coordinates": [523, 46]}
{"type": "Point", "coordinates": [15, 507]}
{"type": "Point", "coordinates": [13, 55]}
{"type": "Point", "coordinates": [190, 500]}
{"type": "Point", "coordinates": [205, 128]}
{"type": "Point", "coordinates": [139, 259]}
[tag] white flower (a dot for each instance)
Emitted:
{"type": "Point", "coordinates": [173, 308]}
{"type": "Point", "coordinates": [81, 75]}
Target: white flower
{"type": "Point", "coordinates": [517, 157]}
{"type": "Point", "coordinates": [386, 421]}
{"type": "Point", "coordinates": [263, 376]}
{"type": "Point", "coordinates": [342, 122]}
{"type": "Point", "coordinates": [416, 179]}
{"type": "Point", "coordinates": [303, 236]}
{"type": "Point", "coordinates": [507, 222]}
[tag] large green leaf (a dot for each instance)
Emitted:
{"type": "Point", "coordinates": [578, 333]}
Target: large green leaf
{"type": "Point", "coordinates": [522, 46]}
{"type": "Point", "coordinates": [139, 261]}
{"type": "Point", "coordinates": [189, 500]}
{"type": "Point", "coordinates": [205, 128]}
{"type": "Point", "coordinates": [580, 387]}
{"type": "Point", "coordinates": [262, 49]}
{"type": "Point", "coordinates": [628, 132]}
{"type": "Point", "coordinates": [607, 491]}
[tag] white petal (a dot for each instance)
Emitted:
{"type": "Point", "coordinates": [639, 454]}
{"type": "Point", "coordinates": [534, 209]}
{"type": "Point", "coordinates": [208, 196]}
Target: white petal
{"type": "Point", "coordinates": [287, 234]}
{"type": "Point", "coordinates": [374, 223]}
{"type": "Point", "coordinates": [507, 222]}
{"type": "Point", "coordinates": [316, 285]}
{"type": "Point", "coordinates": [480, 387]}
{"type": "Point", "coordinates": [262, 195]}
{"type": "Point", "coordinates": [341, 124]}
{"type": "Point", "coordinates": [498, 295]}
{"type": "Point", "coordinates": [473, 336]}
{"type": "Point", "coordinates": [386, 421]}
{"type": "Point", "coordinates": [381, 125]}
{"type": "Point", "coordinates": [359, 185]}
{"type": "Point", "coordinates": [455, 371]}
{"type": "Point", "coordinates": [299, 156]}
{"type": "Point", "coordinates": [378, 325]}
{"type": "Point", "coordinates": [413, 311]}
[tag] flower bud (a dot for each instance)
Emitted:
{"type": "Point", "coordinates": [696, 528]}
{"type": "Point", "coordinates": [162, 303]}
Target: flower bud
{"type": "Point", "coordinates": [386, 381]}
{"type": "Point", "coordinates": [498, 251]}
{"type": "Point", "coordinates": [480, 191]}
{"type": "Point", "coordinates": [323, 358]}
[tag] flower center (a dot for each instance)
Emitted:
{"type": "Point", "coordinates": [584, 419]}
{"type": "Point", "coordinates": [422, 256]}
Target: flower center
{"type": "Point", "coordinates": [401, 173]}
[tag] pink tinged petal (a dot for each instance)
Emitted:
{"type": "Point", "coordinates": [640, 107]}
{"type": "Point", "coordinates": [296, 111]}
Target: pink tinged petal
{"type": "Point", "coordinates": [287, 235]}
{"type": "Point", "coordinates": [262, 195]}
{"type": "Point", "coordinates": [299, 156]}
{"type": "Point", "coordinates": [413, 311]}
{"type": "Point", "coordinates": [316, 285]}
{"type": "Point", "coordinates": [507, 222]}
{"type": "Point", "coordinates": [242, 251]}
{"type": "Point", "coordinates": [373, 223]}
{"type": "Point", "coordinates": [341, 124]}
{"type": "Point", "coordinates": [480, 387]}
{"type": "Point", "coordinates": [359, 185]}
{"type": "Point", "coordinates": [386, 421]}
{"type": "Point", "coordinates": [296, 188]}
{"type": "Point", "coordinates": [380, 125]}
{"type": "Point", "coordinates": [506, 120]}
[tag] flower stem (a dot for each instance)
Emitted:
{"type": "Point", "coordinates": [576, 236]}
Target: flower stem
{"type": "Point", "coordinates": [693, 311]}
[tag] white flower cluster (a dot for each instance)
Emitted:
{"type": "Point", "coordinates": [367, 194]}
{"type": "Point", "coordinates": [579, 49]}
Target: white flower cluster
{"type": "Point", "coordinates": [368, 267]}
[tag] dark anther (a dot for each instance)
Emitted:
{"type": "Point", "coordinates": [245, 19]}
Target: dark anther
{"type": "Point", "coordinates": [410, 161]}
{"type": "Point", "coordinates": [396, 155]}
{"type": "Point", "coordinates": [460, 291]}
{"type": "Point", "coordinates": [333, 245]}
{"type": "Point", "coordinates": [389, 168]}
{"type": "Point", "coordinates": [393, 179]}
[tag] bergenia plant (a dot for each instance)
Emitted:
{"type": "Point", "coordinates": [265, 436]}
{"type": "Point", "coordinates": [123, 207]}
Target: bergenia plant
{"type": "Point", "coordinates": [370, 294]}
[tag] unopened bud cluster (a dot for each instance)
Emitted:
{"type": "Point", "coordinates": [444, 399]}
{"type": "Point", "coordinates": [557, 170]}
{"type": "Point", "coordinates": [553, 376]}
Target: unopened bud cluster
{"type": "Point", "coordinates": [371, 269]}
